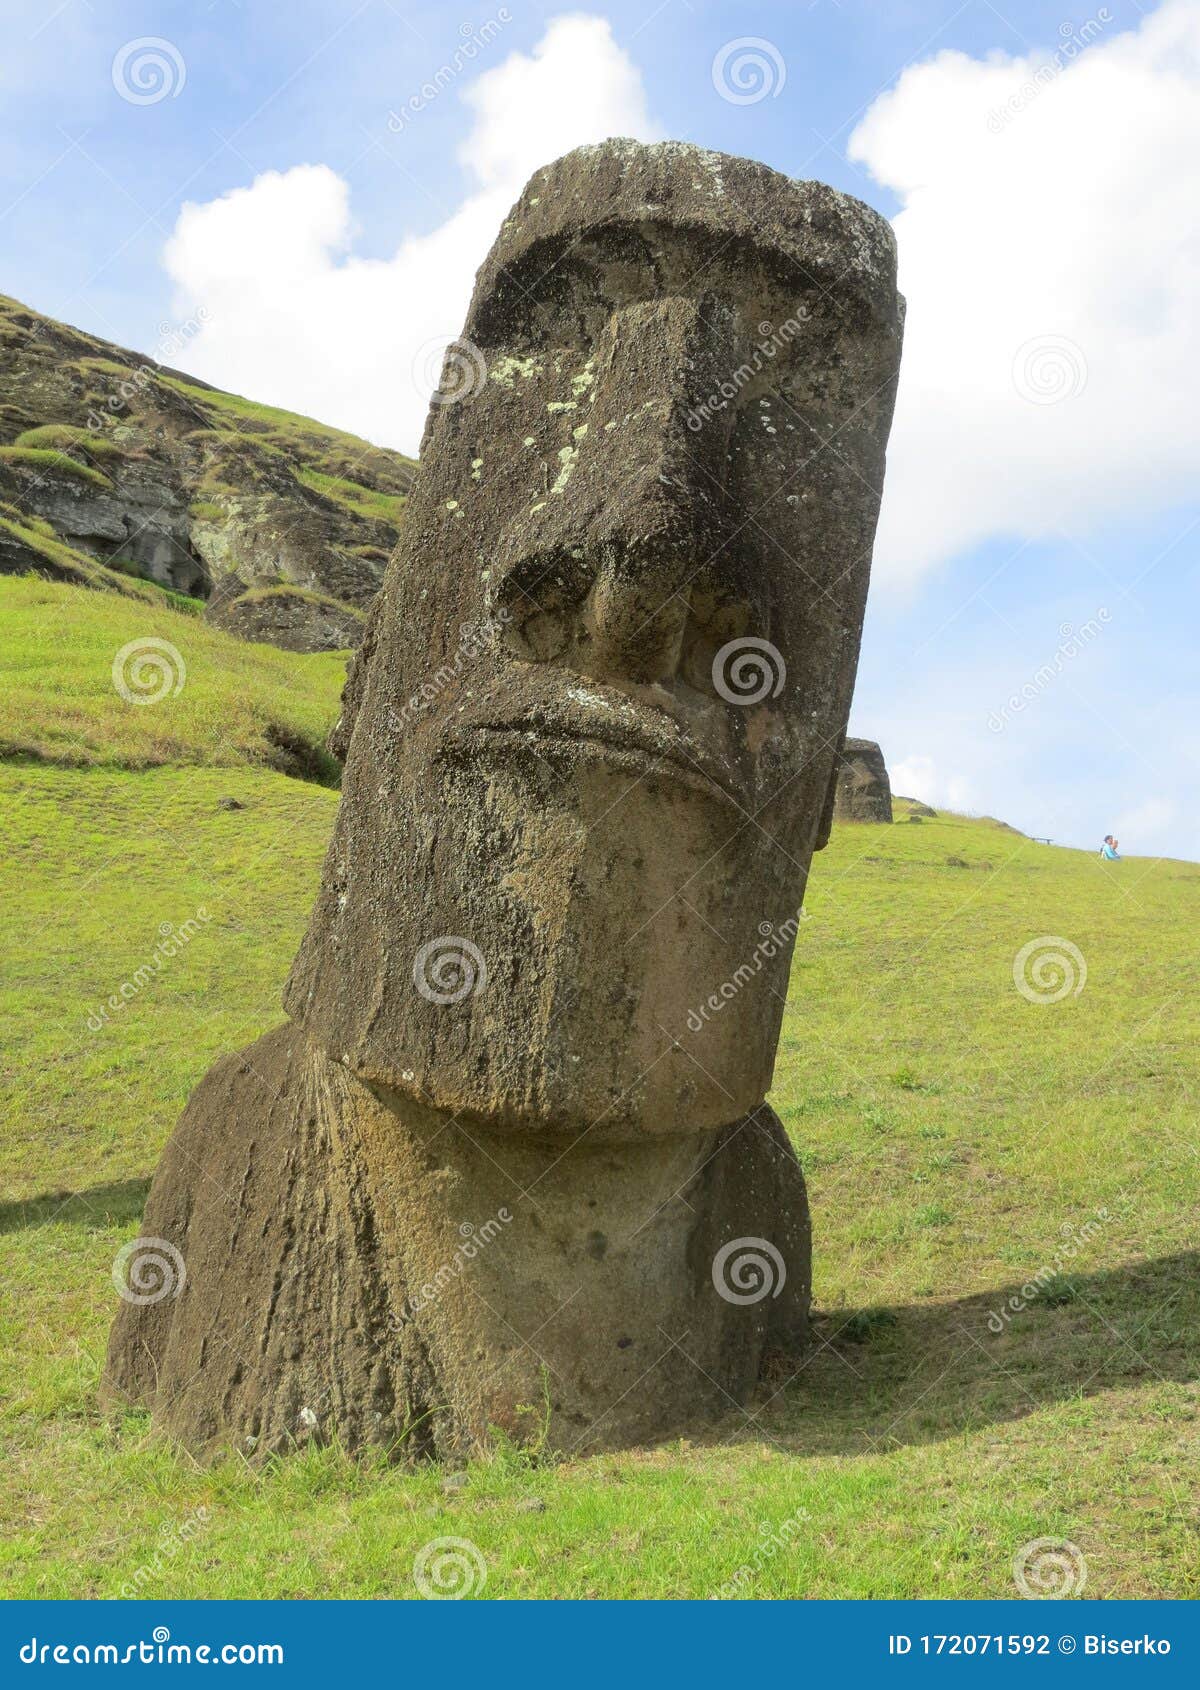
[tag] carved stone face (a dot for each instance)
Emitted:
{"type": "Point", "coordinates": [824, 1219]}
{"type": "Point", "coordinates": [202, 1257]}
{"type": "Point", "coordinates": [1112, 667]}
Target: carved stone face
{"type": "Point", "coordinates": [659, 492]}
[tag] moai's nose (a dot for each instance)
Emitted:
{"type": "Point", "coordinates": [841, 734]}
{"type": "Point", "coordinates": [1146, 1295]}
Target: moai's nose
{"type": "Point", "coordinates": [652, 473]}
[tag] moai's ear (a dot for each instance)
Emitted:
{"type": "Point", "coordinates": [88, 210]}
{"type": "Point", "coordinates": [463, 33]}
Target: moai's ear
{"type": "Point", "coordinates": [825, 827]}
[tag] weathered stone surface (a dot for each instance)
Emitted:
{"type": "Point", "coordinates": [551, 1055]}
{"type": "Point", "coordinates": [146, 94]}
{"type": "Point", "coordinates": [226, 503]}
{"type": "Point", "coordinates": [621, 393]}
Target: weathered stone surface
{"type": "Point", "coordinates": [864, 793]}
{"type": "Point", "coordinates": [289, 617]}
{"type": "Point", "coordinates": [509, 1164]}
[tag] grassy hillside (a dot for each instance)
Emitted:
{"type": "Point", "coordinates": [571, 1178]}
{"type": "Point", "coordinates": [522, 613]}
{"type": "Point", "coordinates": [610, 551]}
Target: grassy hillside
{"type": "Point", "coordinates": [208, 698]}
{"type": "Point", "coordinates": [959, 1140]}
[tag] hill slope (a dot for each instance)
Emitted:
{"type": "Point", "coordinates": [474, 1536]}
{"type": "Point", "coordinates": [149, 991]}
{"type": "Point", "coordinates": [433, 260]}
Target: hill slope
{"type": "Point", "coordinates": [90, 679]}
{"type": "Point", "coordinates": [1003, 1184]}
{"type": "Point", "coordinates": [109, 458]}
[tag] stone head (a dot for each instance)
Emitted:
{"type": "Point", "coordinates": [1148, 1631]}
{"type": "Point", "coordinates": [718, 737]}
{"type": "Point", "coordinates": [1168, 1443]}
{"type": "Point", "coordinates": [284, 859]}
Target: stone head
{"type": "Point", "coordinates": [597, 717]}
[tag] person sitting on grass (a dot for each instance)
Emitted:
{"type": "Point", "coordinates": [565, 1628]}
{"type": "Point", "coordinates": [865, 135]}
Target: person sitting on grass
{"type": "Point", "coordinates": [1109, 849]}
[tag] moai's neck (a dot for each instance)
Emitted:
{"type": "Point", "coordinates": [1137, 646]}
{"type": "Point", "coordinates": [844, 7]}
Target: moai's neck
{"type": "Point", "coordinates": [577, 1281]}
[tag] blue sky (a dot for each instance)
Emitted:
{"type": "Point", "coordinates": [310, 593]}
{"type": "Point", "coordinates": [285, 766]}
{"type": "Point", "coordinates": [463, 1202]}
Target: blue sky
{"type": "Point", "coordinates": [1040, 536]}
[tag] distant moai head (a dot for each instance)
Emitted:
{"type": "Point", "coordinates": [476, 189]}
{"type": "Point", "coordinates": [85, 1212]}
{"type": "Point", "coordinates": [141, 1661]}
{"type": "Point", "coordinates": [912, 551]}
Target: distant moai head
{"type": "Point", "coordinates": [596, 726]}
{"type": "Point", "coordinates": [863, 788]}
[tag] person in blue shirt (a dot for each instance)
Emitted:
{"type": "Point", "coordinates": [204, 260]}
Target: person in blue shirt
{"type": "Point", "coordinates": [1109, 849]}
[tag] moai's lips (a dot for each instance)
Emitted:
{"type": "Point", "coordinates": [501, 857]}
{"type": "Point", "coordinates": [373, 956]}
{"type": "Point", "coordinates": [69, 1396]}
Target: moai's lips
{"type": "Point", "coordinates": [638, 760]}
{"type": "Point", "coordinates": [606, 724]}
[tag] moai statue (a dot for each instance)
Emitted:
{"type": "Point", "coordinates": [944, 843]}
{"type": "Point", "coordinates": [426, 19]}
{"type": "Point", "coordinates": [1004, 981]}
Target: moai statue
{"type": "Point", "coordinates": [864, 792]}
{"type": "Point", "coordinates": [508, 1164]}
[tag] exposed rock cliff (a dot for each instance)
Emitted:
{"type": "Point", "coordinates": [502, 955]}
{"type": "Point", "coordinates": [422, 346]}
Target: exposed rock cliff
{"type": "Point", "coordinates": [110, 462]}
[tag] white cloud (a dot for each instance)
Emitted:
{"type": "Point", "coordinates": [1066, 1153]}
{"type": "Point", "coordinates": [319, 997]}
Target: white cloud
{"type": "Point", "coordinates": [295, 319]}
{"type": "Point", "coordinates": [1048, 231]}
{"type": "Point", "coordinates": [918, 776]}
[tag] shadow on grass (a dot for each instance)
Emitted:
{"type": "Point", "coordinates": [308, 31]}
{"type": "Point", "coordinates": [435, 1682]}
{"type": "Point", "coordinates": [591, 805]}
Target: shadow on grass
{"type": "Point", "coordinates": [103, 1205]}
{"type": "Point", "coordinates": [880, 1378]}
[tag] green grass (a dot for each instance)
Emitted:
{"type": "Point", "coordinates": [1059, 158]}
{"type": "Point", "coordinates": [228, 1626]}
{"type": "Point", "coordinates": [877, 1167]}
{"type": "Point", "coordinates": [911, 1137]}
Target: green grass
{"type": "Point", "coordinates": [65, 563]}
{"type": "Point", "coordinates": [312, 445]}
{"type": "Point", "coordinates": [955, 1136]}
{"type": "Point", "coordinates": [47, 460]}
{"type": "Point", "coordinates": [63, 437]}
{"type": "Point", "coordinates": [363, 501]}
{"type": "Point", "coordinates": [182, 602]}
{"type": "Point", "coordinates": [223, 701]}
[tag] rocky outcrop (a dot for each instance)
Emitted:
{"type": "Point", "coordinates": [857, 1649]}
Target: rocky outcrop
{"type": "Point", "coordinates": [290, 617]}
{"type": "Point", "coordinates": [135, 466]}
{"type": "Point", "coordinates": [864, 792]}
